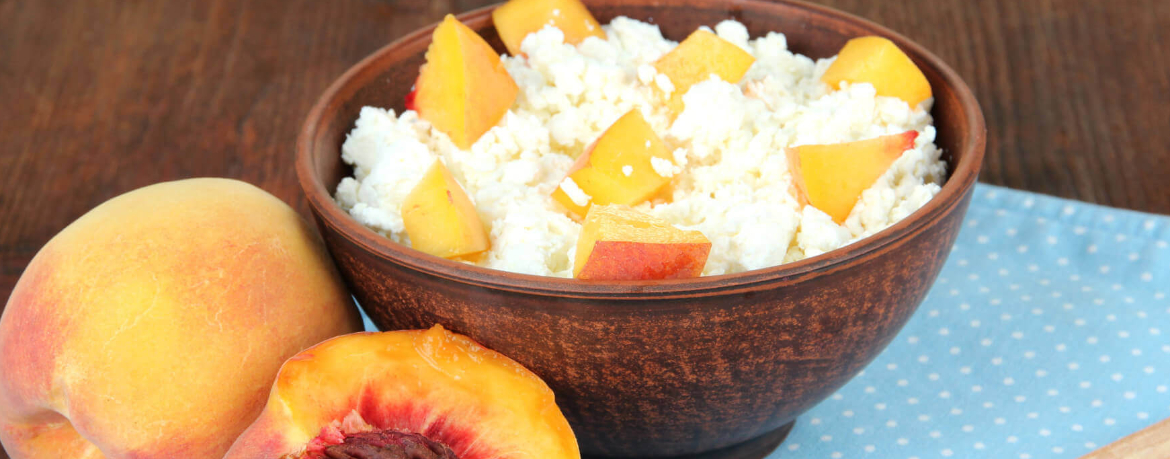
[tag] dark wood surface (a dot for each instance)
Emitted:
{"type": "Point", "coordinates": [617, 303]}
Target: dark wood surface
{"type": "Point", "coordinates": [100, 97]}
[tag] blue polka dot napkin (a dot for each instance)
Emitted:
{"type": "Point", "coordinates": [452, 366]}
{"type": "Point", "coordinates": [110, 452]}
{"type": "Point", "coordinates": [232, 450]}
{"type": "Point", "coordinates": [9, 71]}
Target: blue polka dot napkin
{"type": "Point", "coordinates": [1047, 335]}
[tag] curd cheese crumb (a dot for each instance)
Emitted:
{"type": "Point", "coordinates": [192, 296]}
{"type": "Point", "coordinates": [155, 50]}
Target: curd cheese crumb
{"type": "Point", "coordinates": [734, 32]}
{"type": "Point", "coordinates": [647, 73]}
{"type": "Point", "coordinates": [680, 157]}
{"type": "Point", "coordinates": [664, 84]}
{"type": "Point", "coordinates": [574, 192]}
{"type": "Point", "coordinates": [729, 175]}
{"type": "Point", "coordinates": [662, 167]}
{"type": "Point", "coordinates": [818, 233]}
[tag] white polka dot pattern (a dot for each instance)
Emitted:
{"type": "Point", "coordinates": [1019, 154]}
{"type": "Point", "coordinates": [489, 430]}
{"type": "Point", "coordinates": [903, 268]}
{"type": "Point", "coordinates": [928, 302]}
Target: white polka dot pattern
{"type": "Point", "coordinates": [1042, 338]}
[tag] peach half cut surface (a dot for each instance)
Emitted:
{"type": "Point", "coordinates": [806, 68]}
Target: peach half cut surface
{"type": "Point", "coordinates": [619, 243]}
{"type": "Point", "coordinates": [462, 89]}
{"type": "Point", "coordinates": [432, 393]}
{"type": "Point", "coordinates": [625, 165]}
{"type": "Point", "coordinates": [518, 18]}
{"type": "Point", "coordinates": [439, 217]}
{"type": "Point", "coordinates": [832, 177]}
{"type": "Point", "coordinates": [878, 61]}
{"type": "Point", "coordinates": [698, 57]}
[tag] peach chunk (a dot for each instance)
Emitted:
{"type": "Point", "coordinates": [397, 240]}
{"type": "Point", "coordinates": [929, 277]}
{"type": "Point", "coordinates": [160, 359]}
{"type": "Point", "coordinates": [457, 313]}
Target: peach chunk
{"type": "Point", "coordinates": [518, 18]}
{"type": "Point", "coordinates": [462, 89]}
{"type": "Point", "coordinates": [878, 61]}
{"type": "Point", "coordinates": [832, 177]}
{"type": "Point", "coordinates": [618, 243]}
{"type": "Point", "coordinates": [431, 389]}
{"type": "Point", "coordinates": [621, 167]}
{"type": "Point", "coordinates": [698, 57]}
{"type": "Point", "coordinates": [154, 325]}
{"type": "Point", "coordinates": [439, 217]}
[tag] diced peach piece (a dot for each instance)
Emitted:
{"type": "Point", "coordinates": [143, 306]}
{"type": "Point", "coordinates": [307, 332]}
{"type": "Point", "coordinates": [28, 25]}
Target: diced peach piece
{"type": "Point", "coordinates": [439, 217]}
{"type": "Point", "coordinates": [618, 168]}
{"type": "Point", "coordinates": [878, 61]}
{"type": "Point", "coordinates": [518, 18]}
{"type": "Point", "coordinates": [832, 177]}
{"type": "Point", "coordinates": [697, 58]}
{"type": "Point", "coordinates": [618, 243]}
{"type": "Point", "coordinates": [463, 89]}
{"type": "Point", "coordinates": [372, 393]}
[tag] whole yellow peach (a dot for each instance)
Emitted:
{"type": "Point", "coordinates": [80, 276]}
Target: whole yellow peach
{"type": "Point", "coordinates": [154, 325]}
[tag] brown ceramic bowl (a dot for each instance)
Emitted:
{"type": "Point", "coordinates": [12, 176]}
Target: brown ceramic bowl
{"type": "Point", "coordinates": [661, 368]}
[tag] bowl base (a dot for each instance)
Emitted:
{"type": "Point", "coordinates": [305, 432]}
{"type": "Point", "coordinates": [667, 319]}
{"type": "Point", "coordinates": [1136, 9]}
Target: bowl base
{"type": "Point", "coordinates": [756, 448]}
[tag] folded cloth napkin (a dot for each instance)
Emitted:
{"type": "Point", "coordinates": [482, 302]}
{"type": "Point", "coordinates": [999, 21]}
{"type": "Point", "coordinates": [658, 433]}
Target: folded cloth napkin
{"type": "Point", "coordinates": [1046, 335]}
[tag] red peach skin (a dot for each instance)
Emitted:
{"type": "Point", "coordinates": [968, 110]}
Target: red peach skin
{"type": "Point", "coordinates": [619, 243]}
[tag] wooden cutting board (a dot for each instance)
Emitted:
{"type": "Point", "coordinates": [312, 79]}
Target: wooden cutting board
{"type": "Point", "coordinates": [1153, 442]}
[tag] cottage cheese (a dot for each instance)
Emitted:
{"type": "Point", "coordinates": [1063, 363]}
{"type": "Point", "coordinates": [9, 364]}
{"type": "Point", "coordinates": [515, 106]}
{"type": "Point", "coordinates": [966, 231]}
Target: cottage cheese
{"type": "Point", "coordinates": [730, 177]}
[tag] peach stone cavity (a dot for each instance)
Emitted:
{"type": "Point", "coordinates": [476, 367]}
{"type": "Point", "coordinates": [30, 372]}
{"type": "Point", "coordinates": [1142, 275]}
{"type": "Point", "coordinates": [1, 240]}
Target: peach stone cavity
{"type": "Point", "coordinates": [353, 438]}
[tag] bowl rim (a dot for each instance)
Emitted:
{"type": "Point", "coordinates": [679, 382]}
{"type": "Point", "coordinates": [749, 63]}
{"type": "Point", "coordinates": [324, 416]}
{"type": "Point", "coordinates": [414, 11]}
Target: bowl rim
{"type": "Point", "coordinates": [330, 214]}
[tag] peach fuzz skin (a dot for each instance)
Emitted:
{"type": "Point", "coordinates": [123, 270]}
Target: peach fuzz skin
{"type": "Point", "coordinates": [439, 384]}
{"type": "Point", "coordinates": [619, 243]}
{"type": "Point", "coordinates": [154, 325]}
{"type": "Point", "coordinates": [627, 260]}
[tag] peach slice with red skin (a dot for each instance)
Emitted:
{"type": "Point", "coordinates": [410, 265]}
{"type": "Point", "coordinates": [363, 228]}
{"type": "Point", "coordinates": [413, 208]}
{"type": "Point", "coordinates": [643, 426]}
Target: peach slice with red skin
{"type": "Point", "coordinates": [463, 89]}
{"type": "Point", "coordinates": [432, 384]}
{"type": "Point", "coordinates": [878, 61]}
{"type": "Point", "coordinates": [698, 57]}
{"type": "Point", "coordinates": [516, 19]}
{"type": "Point", "coordinates": [618, 168]}
{"type": "Point", "coordinates": [619, 243]}
{"type": "Point", "coordinates": [832, 177]}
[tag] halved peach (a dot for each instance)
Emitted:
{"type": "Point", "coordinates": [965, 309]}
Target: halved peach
{"type": "Point", "coordinates": [698, 57]}
{"type": "Point", "coordinates": [878, 61]}
{"type": "Point", "coordinates": [432, 391]}
{"type": "Point", "coordinates": [625, 165]}
{"type": "Point", "coordinates": [439, 217]}
{"type": "Point", "coordinates": [619, 243]}
{"type": "Point", "coordinates": [518, 18]}
{"type": "Point", "coordinates": [463, 88]}
{"type": "Point", "coordinates": [832, 177]}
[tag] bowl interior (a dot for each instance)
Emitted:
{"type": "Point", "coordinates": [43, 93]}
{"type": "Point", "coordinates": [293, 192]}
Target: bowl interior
{"type": "Point", "coordinates": [384, 79]}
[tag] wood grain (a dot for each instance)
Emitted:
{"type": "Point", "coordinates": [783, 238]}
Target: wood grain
{"type": "Point", "coordinates": [100, 97]}
{"type": "Point", "coordinates": [1153, 442]}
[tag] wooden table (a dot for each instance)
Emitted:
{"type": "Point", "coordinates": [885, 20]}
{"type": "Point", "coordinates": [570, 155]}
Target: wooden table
{"type": "Point", "coordinates": [100, 97]}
